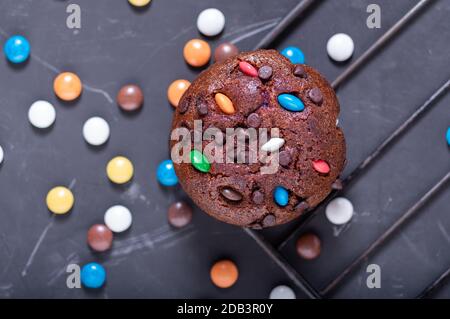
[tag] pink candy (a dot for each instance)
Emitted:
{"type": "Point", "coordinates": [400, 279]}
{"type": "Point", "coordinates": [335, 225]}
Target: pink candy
{"type": "Point", "coordinates": [321, 166]}
{"type": "Point", "coordinates": [248, 69]}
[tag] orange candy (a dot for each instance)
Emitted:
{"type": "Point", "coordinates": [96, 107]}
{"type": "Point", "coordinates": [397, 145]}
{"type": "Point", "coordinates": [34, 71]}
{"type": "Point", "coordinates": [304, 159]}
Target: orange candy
{"type": "Point", "coordinates": [224, 273]}
{"type": "Point", "coordinates": [176, 91]}
{"type": "Point", "coordinates": [67, 86]}
{"type": "Point", "coordinates": [197, 52]}
{"type": "Point", "coordinates": [224, 103]}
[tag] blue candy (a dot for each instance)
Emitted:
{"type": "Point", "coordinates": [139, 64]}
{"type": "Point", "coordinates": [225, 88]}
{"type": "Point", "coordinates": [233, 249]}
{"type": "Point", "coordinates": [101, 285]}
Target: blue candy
{"type": "Point", "coordinates": [17, 49]}
{"type": "Point", "coordinates": [281, 196]}
{"type": "Point", "coordinates": [93, 275]}
{"type": "Point", "coordinates": [294, 54]}
{"type": "Point", "coordinates": [291, 102]}
{"type": "Point", "coordinates": [448, 136]}
{"type": "Point", "coordinates": [166, 173]}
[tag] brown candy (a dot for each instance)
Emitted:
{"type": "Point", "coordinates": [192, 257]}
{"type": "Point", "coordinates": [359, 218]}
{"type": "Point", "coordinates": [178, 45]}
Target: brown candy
{"type": "Point", "coordinates": [299, 71]}
{"type": "Point", "coordinates": [253, 120]}
{"type": "Point", "coordinates": [284, 158]}
{"type": "Point", "coordinates": [179, 214]}
{"type": "Point", "coordinates": [258, 197]}
{"type": "Point", "coordinates": [337, 185]}
{"type": "Point", "coordinates": [225, 51]}
{"type": "Point", "coordinates": [316, 96]}
{"type": "Point", "coordinates": [130, 97]}
{"type": "Point", "coordinates": [202, 108]}
{"type": "Point", "coordinates": [269, 220]}
{"type": "Point", "coordinates": [308, 246]}
{"type": "Point", "coordinates": [301, 207]}
{"type": "Point", "coordinates": [99, 237]}
{"type": "Point", "coordinates": [265, 72]}
{"type": "Point", "coordinates": [231, 194]}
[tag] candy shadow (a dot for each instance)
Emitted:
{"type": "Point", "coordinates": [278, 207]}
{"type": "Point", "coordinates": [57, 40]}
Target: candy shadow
{"type": "Point", "coordinates": [341, 64]}
{"type": "Point", "coordinates": [42, 131]}
{"type": "Point", "coordinates": [141, 10]}
{"type": "Point", "coordinates": [96, 148]}
{"type": "Point", "coordinates": [18, 67]}
{"type": "Point", "coordinates": [132, 114]}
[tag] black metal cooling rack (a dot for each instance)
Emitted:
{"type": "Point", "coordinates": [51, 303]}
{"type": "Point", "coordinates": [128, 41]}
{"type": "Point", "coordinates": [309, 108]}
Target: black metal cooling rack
{"type": "Point", "coordinates": [274, 252]}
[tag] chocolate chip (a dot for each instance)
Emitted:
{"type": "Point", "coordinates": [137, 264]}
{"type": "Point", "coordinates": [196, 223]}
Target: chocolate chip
{"type": "Point", "coordinates": [265, 72]}
{"type": "Point", "coordinates": [183, 107]}
{"type": "Point", "coordinates": [253, 120]}
{"type": "Point", "coordinates": [316, 96]}
{"type": "Point", "coordinates": [299, 71]}
{"type": "Point", "coordinates": [308, 246]}
{"type": "Point", "coordinates": [179, 214]}
{"type": "Point", "coordinates": [269, 220]}
{"type": "Point", "coordinates": [258, 197]}
{"type": "Point", "coordinates": [337, 185]}
{"type": "Point", "coordinates": [202, 108]}
{"type": "Point", "coordinates": [284, 158]}
{"type": "Point", "coordinates": [301, 207]}
{"type": "Point", "coordinates": [231, 194]}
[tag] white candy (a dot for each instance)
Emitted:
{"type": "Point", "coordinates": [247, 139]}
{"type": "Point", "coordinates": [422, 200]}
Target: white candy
{"type": "Point", "coordinates": [118, 218]}
{"type": "Point", "coordinates": [2, 155]}
{"type": "Point", "coordinates": [340, 47]}
{"type": "Point", "coordinates": [96, 131]}
{"type": "Point", "coordinates": [41, 114]}
{"type": "Point", "coordinates": [211, 22]}
{"type": "Point", "coordinates": [339, 211]}
{"type": "Point", "coordinates": [274, 144]}
{"type": "Point", "coordinates": [282, 292]}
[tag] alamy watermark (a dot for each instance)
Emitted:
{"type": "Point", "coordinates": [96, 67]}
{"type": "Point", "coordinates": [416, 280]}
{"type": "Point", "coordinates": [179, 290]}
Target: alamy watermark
{"type": "Point", "coordinates": [374, 19]}
{"type": "Point", "coordinates": [73, 20]}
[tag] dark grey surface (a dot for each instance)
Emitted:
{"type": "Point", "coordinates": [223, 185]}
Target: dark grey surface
{"type": "Point", "coordinates": [117, 45]}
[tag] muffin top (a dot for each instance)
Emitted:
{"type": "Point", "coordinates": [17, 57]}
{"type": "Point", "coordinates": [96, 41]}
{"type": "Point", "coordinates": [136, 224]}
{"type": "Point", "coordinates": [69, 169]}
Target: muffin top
{"type": "Point", "coordinates": [257, 141]}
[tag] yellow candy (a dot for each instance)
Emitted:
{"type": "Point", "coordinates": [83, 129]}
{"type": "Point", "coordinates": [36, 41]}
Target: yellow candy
{"type": "Point", "coordinates": [119, 170]}
{"type": "Point", "coordinates": [139, 3]}
{"type": "Point", "coordinates": [60, 200]}
{"type": "Point", "coordinates": [224, 103]}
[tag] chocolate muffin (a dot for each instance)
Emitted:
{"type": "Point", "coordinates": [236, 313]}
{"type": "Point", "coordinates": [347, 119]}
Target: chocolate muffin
{"type": "Point", "coordinates": [253, 91]}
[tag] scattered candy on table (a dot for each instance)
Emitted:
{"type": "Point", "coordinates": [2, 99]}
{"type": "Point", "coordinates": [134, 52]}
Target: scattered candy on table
{"type": "Point", "coordinates": [290, 102]}
{"type": "Point", "coordinates": [60, 200]}
{"type": "Point", "coordinates": [281, 196]}
{"type": "Point", "coordinates": [99, 237]}
{"type": "Point", "coordinates": [118, 218]}
{"type": "Point", "coordinates": [176, 90]}
{"type": "Point", "coordinates": [272, 145]}
{"type": "Point", "coordinates": [321, 166]}
{"type": "Point", "coordinates": [120, 170]}
{"type": "Point", "coordinates": [67, 86]}
{"type": "Point", "coordinates": [179, 214]}
{"type": "Point", "coordinates": [197, 52]}
{"type": "Point", "coordinates": [96, 131]}
{"type": "Point", "coordinates": [294, 54]}
{"type": "Point", "coordinates": [339, 211]}
{"type": "Point", "coordinates": [2, 154]}
{"type": "Point", "coordinates": [224, 273]}
{"type": "Point", "coordinates": [211, 22]}
{"type": "Point", "coordinates": [93, 275]}
{"type": "Point", "coordinates": [308, 246]}
{"type": "Point", "coordinates": [282, 292]}
{"type": "Point", "coordinates": [130, 98]}
{"type": "Point", "coordinates": [165, 173]}
{"type": "Point", "coordinates": [17, 49]}
{"type": "Point", "coordinates": [448, 136]}
{"type": "Point", "coordinates": [199, 161]}
{"type": "Point", "coordinates": [224, 51]}
{"type": "Point", "coordinates": [41, 114]}
{"type": "Point", "coordinates": [224, 103]}
{"type": "Point", "coordinates": [340, 47]}
{"type": "Point", "coordinates": [139, 3]}
{"type": "Point", "coordinates": [248, 69]}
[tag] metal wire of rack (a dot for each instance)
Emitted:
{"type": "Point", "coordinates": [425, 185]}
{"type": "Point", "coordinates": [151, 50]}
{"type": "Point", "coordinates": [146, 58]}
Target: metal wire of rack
{"type": "Point", "coordinates": [274, 252]}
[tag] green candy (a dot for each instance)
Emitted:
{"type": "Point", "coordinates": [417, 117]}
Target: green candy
{"type": "Point", "coordinates": [200, 162]}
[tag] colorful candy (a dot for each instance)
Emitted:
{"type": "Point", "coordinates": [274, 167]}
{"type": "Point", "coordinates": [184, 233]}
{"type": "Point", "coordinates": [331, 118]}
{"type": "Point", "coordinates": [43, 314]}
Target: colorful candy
{"type": "Point", "coordinates": [197, 52]}
{"type": "Point", "coordinates": [93, 275]}
{"type": "Point", "coordinates": [321, 166]}
{"type": "Point", "coordinates": [248, 69]}
{"type": "Point", "coordinates": [166, 173]}
{"type": "Point", "coordinates": [130, 98]}
{"type": "Point", "coordinates": [99, 238]}
{"type": "Point", "coordinates": [339, 211]}
{"type": "Point", "coordinates": [231, 194]}
{"type": "Point", "coordinates": [67, 86]}
{"type": "Point", "coordinates": [224, 51]}
{"type": "Point", "coordinates": [176, 90]}
{"type": "Point", "coordinates": [448, 136]}
{"type": "Point", "coordinates": [118, 218]}
{"type": "Point", "coordinates": [96, 131]}
{"type": "Point", "coordinates": [60, 200]}
{"type": "Point", "coordinates": [199, 161]}
{"type": "Point", "coordinates": [224, 103]}
{"type": "Point", "coordinates": [120, 170]}
{"type": "Point", "coordinates": [139, 3]}
{"type": "Point", "coordinates": [340, 47]}
{"type": "Point", "coordinates": [17, 49]}
{"type": "Point", "coordinates": [281, 196]}
{"type": "Point", "coordinates": [308, 246]}
{"type": "Point", "coordinates": [224, 273]}
{"type": "Point", "coordinates": [294, 54]}
{"type": "Point", "coordinates": [272, 145]}
{"type": "Point", "coordinates": [41, 114]}
{"type": "Point", "coordinates": [282, 292]}
{"type": "Point", "coordinates": [179, 214]}
{"type": "Point", "coordinates": [290, 102]}
{"type": "Point", "coordinates": [211, 22]}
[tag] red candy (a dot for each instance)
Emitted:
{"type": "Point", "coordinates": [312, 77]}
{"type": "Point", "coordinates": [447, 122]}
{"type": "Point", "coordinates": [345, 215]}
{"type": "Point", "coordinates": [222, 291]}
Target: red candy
{"type": "Point", "coordinates": [321, 166]}
{"type": "Point", "coordinates": [248, 69]}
